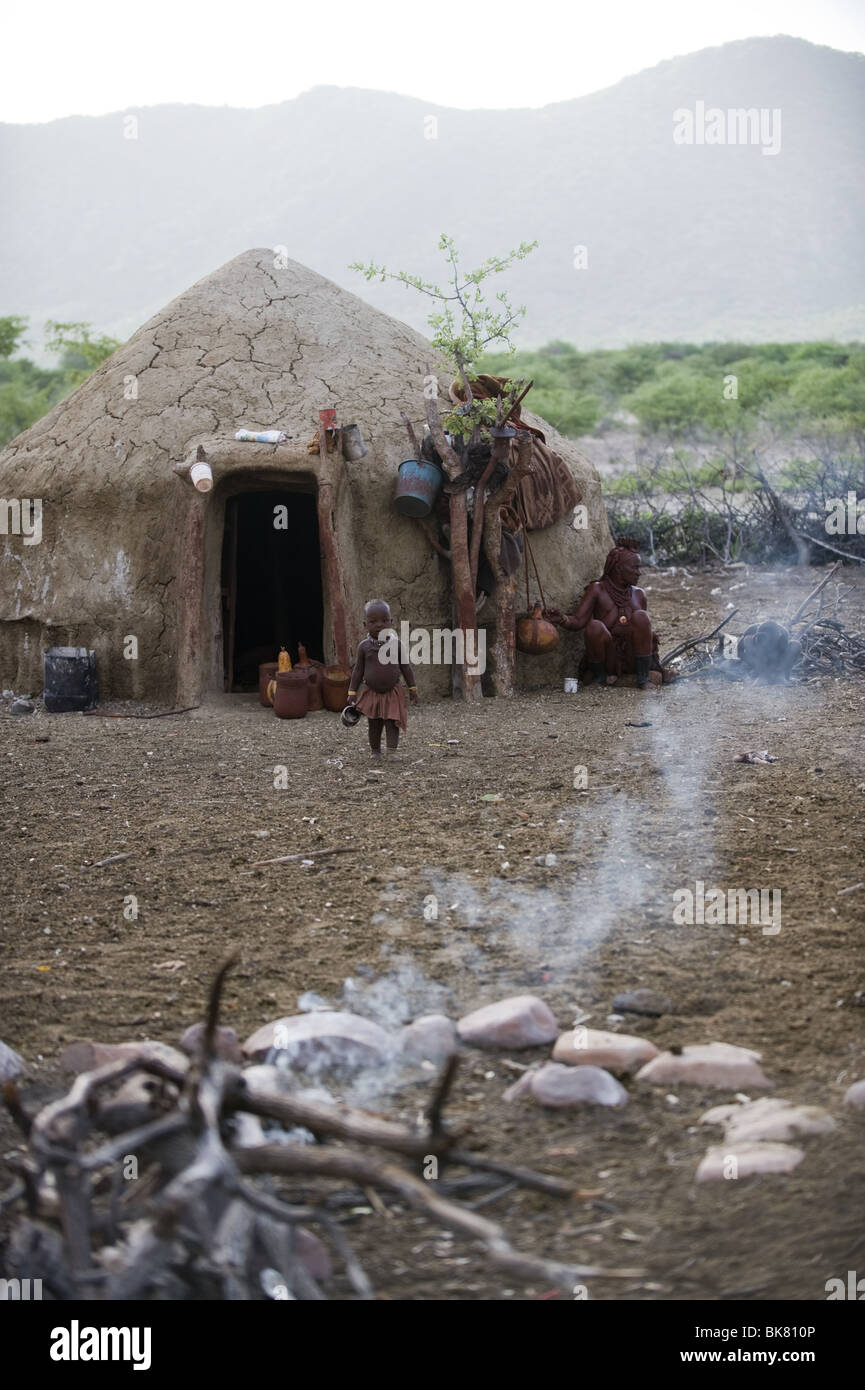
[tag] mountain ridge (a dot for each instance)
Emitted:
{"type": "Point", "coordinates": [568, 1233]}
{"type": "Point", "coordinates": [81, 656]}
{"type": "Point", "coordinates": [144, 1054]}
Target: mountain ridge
{"type": "Point", "coordinates": [694, 243]}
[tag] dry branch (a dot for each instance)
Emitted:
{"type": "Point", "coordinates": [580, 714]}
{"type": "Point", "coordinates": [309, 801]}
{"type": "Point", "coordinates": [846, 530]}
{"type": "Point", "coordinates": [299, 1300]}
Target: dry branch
{"type": "Point", "coordinates": [419, 1195]}
{"type": "Point", "coordinates": [695, 641]}
{"type": "Point", "coordinates": [198, 1225]}
{"type": "Point", "coordinates": [813, 594]}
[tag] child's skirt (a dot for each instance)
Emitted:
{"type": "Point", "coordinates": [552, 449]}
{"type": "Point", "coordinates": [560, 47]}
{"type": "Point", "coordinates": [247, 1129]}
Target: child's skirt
{"type": "Point", "coordinates": [390, 705]}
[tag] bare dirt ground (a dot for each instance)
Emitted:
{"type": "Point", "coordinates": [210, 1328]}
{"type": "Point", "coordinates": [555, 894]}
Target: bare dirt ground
{"type": "Point", "coordinates": [187, 799]}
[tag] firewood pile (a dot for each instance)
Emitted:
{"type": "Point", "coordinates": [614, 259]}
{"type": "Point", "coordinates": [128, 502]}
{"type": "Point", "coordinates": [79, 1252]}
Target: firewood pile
{"type": "Point", "coordinates": [221, 1210]}
{"type": "Point", "coordinates": [828, 647]}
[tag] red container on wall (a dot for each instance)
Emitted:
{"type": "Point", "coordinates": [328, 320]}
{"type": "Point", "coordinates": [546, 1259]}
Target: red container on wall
{"type": "Point", "coordinates": [292, 694]}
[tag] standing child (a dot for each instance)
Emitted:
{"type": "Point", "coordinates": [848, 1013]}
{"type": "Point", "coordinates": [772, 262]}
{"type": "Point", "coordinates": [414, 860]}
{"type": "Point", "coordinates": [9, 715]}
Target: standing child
{"type": "Point", "coordinates": [383, 700]}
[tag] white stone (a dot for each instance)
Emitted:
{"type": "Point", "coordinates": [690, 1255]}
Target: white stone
{"type": "Point", "coordinates": [10, 1063]}
{"type": "Point", "coordinates": [432, 1038]}
{"type": "Point", "coordinates": [225, 1039]}
{"type": "Point", "coordinates": [768, 1118]}
{"type": "Point", "coordinates": [743, 1160]}
{"type": "Point", "coordinates": [521, 1087]}
{"type": "Point", "coordinates": [248, 1131]}
{"type": "Point", "coordinates": [86, 1056]}
{"type": "Point", "coordinates": [132, 1103]}
{"type": "Point", "coordinates": [267, 1077]}
{"type": "Point", "coordinates": [331, 1039]}
{"type": "Point", "coordinates": [706, 1064]}
{"type": "Point", "coordinates": [521, 1021]}
{"type": "Point", "coordinates": [855, 1094]}
{"type": "Point", "coordinates": [313, 1254]}
{"type": "Point", "coordinates": [558, 1086]}
{"type": "Point", "coordinates": [593, 1047]}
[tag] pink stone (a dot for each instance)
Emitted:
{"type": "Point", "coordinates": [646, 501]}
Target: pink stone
{"type": "Point", "coordinates": [521, 1021]}
{"type": "Point", "coordinates": [743, 1160]}
{"type": "Point", "coordinates": [86, 1056]}
{"type": "Point", "coordinates": [617, 1052]}
{"type": "Point", "coordinates": [855, 1094]}
{"type": "Point", "coordinates": [227, 1045]}
{"type": "Point", "coordinates": [329, 1038]}
{"type": "Point", "coordinates": [132, 1103]}
{"type": "Point", "coordinates": [521, 1087]}
{"type": "Point", "coordinates": [313, 1254]}
{"type": "Point", "coordinates": [10, 1063]}
{"type": "Point", "coordinates": [432, 1038]}
{"type": "Point", "coordinates": [706, 1064]}
{"type": "Point", "coordinates": [767, 1119]}
{"type": "Point", "coordinates": [558, 1086]}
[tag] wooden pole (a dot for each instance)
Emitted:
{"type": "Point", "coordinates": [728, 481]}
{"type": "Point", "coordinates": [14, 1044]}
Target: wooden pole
{"type": "Point", "coordinates": [504, 650]}
{"type": "Point", "coordinates": [499, 453]}
{"type": "Point", "coordinates": [463, 588]}
{"type": "Point", "coordinates": [326, 502]}
{"type": "Point", "coordinates": [190, 602]}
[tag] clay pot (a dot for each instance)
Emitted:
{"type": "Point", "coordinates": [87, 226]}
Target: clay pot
{"type": "Point", "coordinates": [535, 635]}
{"type": "Point", "coordinates": [266, 674]}
{"type": "Point", "coordinates": [316, 699]}
{"type": "Point", "coordinates": [334, 688]}
{"type": "Point", "coordinates": [291, 699]}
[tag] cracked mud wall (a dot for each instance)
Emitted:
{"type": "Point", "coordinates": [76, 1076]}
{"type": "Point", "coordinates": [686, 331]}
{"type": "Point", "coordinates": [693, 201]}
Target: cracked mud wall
{"type": "Point", "coordinates": [251, 345]}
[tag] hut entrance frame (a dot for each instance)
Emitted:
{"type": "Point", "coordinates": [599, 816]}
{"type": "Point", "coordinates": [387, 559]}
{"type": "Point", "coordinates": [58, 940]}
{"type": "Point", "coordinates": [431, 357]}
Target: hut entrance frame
{"type": "Point", "coordinates": [302, 512]}
{"type": "Point", "coordinates": [271, 579]}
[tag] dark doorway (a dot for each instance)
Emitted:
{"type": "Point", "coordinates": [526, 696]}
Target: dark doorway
{"type": "Point", "coordinates": [271, 582]}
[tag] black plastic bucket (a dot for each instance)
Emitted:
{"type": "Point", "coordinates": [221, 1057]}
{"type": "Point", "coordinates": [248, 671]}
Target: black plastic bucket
{"type": "Point", "coordinates": [70, 679]}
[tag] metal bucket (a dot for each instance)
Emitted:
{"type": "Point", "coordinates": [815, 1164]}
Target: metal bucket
{"type": "Point", "coordinates": [353, 447]}
{"type": "Point", "coordinates": [70, 679]}
{"type": "Point", "coordinates": [418, 485]}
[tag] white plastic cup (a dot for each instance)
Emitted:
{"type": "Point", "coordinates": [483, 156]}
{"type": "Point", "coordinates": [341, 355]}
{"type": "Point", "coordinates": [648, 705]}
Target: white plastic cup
{"type": "Point", "coordinates": [572, 685]}
{"type": "Point", "coordinates": [201, 477]}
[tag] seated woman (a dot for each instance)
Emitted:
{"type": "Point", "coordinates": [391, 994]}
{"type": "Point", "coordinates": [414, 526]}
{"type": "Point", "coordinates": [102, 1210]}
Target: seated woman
{"type": "Point", "coordinates": [613, 613]}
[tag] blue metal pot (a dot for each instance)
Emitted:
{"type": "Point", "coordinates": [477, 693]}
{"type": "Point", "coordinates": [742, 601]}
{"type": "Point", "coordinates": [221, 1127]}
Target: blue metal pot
{"type": "Point", "coordinates": [418, 485]}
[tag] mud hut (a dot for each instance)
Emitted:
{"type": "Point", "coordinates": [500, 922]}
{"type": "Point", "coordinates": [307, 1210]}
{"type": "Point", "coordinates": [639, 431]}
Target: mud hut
{"type": "Point", "coordinates": [181, 593]}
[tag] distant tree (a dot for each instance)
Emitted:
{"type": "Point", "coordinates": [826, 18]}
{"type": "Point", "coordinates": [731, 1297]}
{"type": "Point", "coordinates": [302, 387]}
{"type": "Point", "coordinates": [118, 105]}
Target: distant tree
{"type": "Point", "coordinates": [838, 393]}
{"type": "Point", "coordinates": [80, 354]}
{"type": "Point", "coordinates": [27, 391]}
{"type": "Point", "coordinates": [677, 403]}
{"type": "Point", "coordinates": [12, 329]}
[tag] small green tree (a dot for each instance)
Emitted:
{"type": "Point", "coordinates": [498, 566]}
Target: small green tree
{"type": "Point", "coordinates": [463, 323]}
{"type": "Point", "coordinates": [466, 324]}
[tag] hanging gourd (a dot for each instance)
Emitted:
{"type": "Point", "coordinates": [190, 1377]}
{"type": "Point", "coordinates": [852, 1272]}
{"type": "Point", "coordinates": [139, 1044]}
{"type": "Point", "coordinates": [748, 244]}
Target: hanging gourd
{"type": "Point", "coordinates": [535, 635]}
{"type": "Point", "coordinates": [283, 660]}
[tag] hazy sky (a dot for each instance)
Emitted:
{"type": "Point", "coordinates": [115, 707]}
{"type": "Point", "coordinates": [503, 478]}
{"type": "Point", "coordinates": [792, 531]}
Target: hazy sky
{"type": "Point", "coordinates": [63, 58]}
